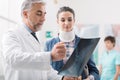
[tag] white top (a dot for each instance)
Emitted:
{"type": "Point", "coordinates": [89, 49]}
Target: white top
{"type": "Point", "coordinates": [23, 58]}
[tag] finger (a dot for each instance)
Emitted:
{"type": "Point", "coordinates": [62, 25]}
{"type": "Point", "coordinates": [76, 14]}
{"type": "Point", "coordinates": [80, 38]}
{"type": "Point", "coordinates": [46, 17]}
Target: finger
{"type": "Point", "coordinates": [60, 51]}
{"type": "Point", "coordinates": [79, 78]}
{"type": "Point", "coordinates": [60, 46]}
{"type": "Point", "coordinates": [69, 78]}
{"type": "Point", "coordinates": [61, 43]}
{"type": "Point", "coordinates": [75, 78]}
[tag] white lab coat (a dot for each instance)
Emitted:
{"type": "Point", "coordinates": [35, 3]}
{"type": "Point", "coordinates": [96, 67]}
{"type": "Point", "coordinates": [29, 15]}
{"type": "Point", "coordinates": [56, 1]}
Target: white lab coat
{"type": "Point", "coordinates": [23, 58]}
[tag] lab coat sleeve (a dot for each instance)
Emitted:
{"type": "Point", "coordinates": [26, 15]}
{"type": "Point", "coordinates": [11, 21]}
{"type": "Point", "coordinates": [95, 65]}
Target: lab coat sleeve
{"type": "Point", "coordinates": [52, 75]}
{"type": "Point", "coordinates": [15, 56]}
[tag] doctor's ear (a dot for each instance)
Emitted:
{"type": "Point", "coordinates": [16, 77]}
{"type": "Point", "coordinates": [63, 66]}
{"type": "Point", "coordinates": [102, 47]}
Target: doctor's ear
{"type": "Point", "coordinates": [25, 14]}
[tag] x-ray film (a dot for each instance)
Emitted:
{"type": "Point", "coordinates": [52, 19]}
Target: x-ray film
{"type": "Point", "coordinates": [79, 58]}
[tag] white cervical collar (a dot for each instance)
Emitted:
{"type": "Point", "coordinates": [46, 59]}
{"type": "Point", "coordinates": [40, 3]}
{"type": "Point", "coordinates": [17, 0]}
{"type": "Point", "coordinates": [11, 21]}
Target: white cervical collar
{"type": "Point", "coordinates": [66, 36]}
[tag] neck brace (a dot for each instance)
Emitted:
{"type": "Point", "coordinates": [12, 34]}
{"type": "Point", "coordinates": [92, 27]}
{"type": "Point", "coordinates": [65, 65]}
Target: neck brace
{"type": "Point", "coordinates": [67, 36]}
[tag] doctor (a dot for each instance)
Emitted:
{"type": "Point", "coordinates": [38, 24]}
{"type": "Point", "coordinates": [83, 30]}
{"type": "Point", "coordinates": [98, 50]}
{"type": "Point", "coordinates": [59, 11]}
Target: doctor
{"type": "Point", "coordinates": [21, 48]}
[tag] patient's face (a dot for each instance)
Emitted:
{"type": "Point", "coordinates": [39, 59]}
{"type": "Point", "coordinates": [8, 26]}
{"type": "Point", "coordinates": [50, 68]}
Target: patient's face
{"type": "Point", "coordinates": [66, 21]}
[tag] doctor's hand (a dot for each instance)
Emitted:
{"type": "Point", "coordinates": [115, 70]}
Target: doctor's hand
{"type": "Point", "coordinates": [58, 51]}
{"type": "Point", "coordinates": [68, 78]}
{"type": "Point", "coordinates": [72, 78]}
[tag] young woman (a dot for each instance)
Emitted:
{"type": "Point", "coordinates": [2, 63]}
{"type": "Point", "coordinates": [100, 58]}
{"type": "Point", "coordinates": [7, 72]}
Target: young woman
{"type": "Point", "coordinates": [110, 61]}
{"type": "Point", "coordinates": [66, 20]}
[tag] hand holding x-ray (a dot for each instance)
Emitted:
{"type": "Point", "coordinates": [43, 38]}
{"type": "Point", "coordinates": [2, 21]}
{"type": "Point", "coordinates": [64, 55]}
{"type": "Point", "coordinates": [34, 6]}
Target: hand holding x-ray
{"type": "Point", "coordinates": [72, 78]}
{"type": "Point", "coordinates": [58, 52]}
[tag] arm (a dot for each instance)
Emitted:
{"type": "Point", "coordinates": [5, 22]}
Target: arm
{"type": "Point", "coordinates": [119, 70]}
{"type": "Point", "coordinates": [72, 78]}
{"type": "Point", "coordinates": [100, 69]}
{"type": "Point", "coordinates": [22, 55]}
{"type": "Point", "coordinates": [16, 57]}
{"type": "Point", "coordinates": [117, 73]}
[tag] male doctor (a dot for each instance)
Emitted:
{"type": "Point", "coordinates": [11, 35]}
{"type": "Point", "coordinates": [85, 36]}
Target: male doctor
{"type": "Point", "coordinates": [21, 48]}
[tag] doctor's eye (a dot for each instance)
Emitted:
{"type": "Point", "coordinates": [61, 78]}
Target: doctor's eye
{"type": "Point", "coordinates": [39, 13]}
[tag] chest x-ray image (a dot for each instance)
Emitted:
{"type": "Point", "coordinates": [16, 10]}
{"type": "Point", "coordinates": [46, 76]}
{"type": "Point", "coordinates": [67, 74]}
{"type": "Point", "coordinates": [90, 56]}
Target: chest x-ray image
{"type": "Point", "coordinates": [79, 58]}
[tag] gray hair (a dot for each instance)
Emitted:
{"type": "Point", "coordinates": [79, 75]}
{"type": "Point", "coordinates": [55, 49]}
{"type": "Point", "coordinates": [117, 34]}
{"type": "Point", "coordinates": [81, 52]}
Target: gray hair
{"type": "Point", "coordinates": [26, 5]}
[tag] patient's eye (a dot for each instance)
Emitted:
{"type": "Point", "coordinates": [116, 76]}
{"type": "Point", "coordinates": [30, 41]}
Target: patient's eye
{"type": "Point", "coordinates": [63, 20]}
{"type": "Point", "coordinates": [70, 19]}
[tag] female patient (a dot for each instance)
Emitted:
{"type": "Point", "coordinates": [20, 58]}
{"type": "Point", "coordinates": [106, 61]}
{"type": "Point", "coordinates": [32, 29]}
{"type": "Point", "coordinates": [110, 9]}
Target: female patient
{"type": "Point", "coordinates": [66, 20]}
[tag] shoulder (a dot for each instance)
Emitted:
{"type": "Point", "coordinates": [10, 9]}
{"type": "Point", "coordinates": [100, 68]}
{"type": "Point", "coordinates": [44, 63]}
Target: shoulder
{"type": "Point", "coordinates": [14, 33]}
{"type": "Point", "coordinates": [11, 36]}
{"type": "Point", "coordinates": [50, 43]}
{"type": "Point", "coordinates": [115, 53]}
{"type": "Point", "coordinates": [53, 40]}
{"type": "Point", "coordinates": [10, 33]}
{"type": "Point", "coordinates": [15, 30]}
{"type": "Point", "coordinates": [77, 37]}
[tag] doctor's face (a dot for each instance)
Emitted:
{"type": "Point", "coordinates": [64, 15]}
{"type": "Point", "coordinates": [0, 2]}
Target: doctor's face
{"type": "Point", "coordinates": [35, 17]}
{"type": "Point", "coordinates": [66, 21]}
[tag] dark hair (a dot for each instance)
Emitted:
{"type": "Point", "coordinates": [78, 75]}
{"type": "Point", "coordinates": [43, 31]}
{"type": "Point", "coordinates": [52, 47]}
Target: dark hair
{"type": "Point", "coordinates": [64, 9]}
{"type": "Point", "coordinates": [110, 38]}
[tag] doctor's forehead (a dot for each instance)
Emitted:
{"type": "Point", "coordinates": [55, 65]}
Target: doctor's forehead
{"type": "Point", "coordinates": [38, 8]}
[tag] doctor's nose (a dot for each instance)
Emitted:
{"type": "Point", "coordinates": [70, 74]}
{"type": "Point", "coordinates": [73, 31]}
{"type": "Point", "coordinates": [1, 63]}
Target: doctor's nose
{"type": "Point", "coordinates": [42, 18]}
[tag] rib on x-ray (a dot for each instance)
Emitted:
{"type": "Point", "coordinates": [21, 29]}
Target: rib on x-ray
{"type": "Point", "coordinates": [79, 58]}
